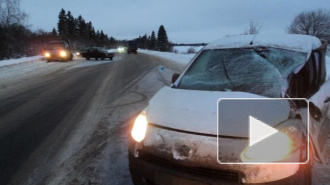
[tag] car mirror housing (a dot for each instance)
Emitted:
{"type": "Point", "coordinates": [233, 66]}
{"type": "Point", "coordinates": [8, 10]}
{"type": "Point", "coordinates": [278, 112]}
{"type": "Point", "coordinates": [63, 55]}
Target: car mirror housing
{"type": "Point", "coordinates": [315, 111]}
{"type": "Point", "coordinates": [175, 76]}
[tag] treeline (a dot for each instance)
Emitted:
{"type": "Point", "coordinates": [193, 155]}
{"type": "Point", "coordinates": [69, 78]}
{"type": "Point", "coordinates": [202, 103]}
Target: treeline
{"type": "Point", "coordinates": [81, 32]}
{"type": "Point", "coordinates": [16, 39]}
{"type": "Point", "coordinates": [151, 42]}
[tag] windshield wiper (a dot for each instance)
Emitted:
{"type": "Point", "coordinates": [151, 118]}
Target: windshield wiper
{"type": "Point", "coordinates": [226, 74]}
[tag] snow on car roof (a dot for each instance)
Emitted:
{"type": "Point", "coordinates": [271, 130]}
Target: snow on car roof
{"type": "Point", "coordinates": [296, 42]}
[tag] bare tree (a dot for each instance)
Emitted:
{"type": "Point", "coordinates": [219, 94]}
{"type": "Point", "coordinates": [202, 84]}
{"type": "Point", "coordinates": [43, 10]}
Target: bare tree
{"type": "Point", "coordinates": [316, 23]}
{"type": "Point", "coordinates": [10, 12]}
{"type": "Point", "coordinates": [254, 28]}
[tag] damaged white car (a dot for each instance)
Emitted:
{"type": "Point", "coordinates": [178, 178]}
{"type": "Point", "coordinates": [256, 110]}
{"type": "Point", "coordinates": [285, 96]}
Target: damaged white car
{"type": "Point", "coordinates": [174, 140]}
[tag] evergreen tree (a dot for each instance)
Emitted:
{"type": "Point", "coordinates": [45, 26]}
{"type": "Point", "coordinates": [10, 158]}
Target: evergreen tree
{"type": "Point", "coordinates": [54, 32]}
{"type": "Point", "coordinates": [82, 27]}
{"type": "Point", "coordinates": [62, 23]}
{"type": "Point", "coordinates": [70, 24]}
{"type": "Point", "coordinates": [153, 41]}
{"type": "Point", "coordinates": [162, 40]}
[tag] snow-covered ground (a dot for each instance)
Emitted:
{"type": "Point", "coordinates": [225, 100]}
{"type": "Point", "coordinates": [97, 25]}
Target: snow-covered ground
{"type": "Point", "coordinates": [180, 58]}
{"type": "Point", "coordinates": [184, 49]}
{"type": "Point", "coordinates": [33, 65]}
{"type": "Point", "coordinates": [20, 60]}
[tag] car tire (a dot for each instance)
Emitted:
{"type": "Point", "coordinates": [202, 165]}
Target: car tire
{"type": "Point", "coordinates": [87, 58]}
{"type": "Point", "coordinates": [111, 58]}
{"type": "Point", "coordinates": [48, 60]}
{"type": "Point", "coordinates": [304, 175]}
{"type": "Point", "coordinates": [96, 58]}
{"type": "Point", "coordinates": [136, 179]}
{"type": "Point", "coordinates": [102, 58]}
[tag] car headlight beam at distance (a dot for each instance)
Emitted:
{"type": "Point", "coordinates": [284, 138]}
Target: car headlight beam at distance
{"type": "Point", "coordinates": [63, 54]}
{"type": "Point", "coordinates": [140, 127]}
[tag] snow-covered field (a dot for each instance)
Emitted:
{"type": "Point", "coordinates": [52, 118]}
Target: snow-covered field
{"type": "Point", "coordinates": [185, 49]}
{"type": "Point", "coordinates": [20, 60]}
{"type": "Point", "coordinates": [180, 58]}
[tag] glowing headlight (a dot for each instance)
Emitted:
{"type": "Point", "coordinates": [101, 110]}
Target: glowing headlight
{"type": "Point", "coordinates": [281, 147]}
{"type": "Point", "coordinates": [63, 54]}
{"type": "Point", "coordinates": [47, 55]}
{"type": "Point", "coordinates": [120, 49]}
{"type": "Point", "coordinates": [78, 53]}
{"type": "Point", "coordinates": [140, 127]}
{"type": "Point", "coordinates": [278, 147]}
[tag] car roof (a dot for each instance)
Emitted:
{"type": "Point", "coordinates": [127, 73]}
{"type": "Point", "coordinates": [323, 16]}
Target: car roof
{"type": "Point", "coordinates": [296, 42]}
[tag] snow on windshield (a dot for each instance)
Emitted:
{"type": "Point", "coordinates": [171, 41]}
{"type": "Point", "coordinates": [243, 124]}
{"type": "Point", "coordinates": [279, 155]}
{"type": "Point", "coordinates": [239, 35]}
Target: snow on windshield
{"type": "Point", "coordinates": [262, 71]}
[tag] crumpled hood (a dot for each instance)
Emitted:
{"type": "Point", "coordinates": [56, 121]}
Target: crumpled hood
{"type": "Point", "coordinates": [196, 111]}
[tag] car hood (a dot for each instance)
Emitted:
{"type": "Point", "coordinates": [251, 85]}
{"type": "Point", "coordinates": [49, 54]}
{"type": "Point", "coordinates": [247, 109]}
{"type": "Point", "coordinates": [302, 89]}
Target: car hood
{"type": "Point", "coordinates": [196, 111]}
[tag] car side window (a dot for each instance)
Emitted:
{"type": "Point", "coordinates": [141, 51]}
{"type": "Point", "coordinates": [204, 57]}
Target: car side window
{"type": "Point", "coordinates": [308, 80]}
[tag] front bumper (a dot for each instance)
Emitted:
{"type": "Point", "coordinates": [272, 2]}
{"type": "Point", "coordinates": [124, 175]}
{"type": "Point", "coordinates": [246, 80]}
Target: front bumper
{"type": "Point", "coordinates": [152, 170]}
{"type": "Point", "coordinates": [196, 156]}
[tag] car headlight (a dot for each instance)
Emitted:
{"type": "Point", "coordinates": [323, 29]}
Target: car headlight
{"type": "Point", "coordinates": [63, 54]}
{"type": "Point", "coordinates": [78, 53]}
{"type": "Point", "coordinates": [277, 147]}
{"type": "Point", "coordinates": [140, 127]}
{"type": "Point", "coordinates": [47, 55]}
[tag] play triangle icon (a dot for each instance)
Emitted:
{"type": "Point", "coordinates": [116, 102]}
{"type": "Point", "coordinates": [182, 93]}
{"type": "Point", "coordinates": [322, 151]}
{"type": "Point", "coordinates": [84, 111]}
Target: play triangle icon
{"type": "Point", "coordinates": [259, 130]}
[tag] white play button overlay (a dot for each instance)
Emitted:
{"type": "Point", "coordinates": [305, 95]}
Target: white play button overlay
{"type": "Point", "coordinates": [259, 130]}
{"type": "Point", "coordinates": [262, 131]}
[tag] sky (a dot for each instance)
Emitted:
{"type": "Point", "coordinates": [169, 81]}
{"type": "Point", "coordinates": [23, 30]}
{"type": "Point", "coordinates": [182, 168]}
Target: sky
{"type": "Point", "coordinates": [185, 21]}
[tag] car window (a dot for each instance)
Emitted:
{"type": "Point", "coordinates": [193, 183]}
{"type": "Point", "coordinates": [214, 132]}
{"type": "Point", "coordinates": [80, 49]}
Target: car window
{"type": "Point", "coordinates": [262, 71]}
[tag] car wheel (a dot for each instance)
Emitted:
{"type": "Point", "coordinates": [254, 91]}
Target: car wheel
{"type": "Point", "coordinates": [87, 58]}
{"type": "Point", "coordinates": [102, 58]}
{"type": "Point", "coordinates": [111, 58]}
{"type": "Point", "coordinates": [48, 60]}
{"type": "Point", "coordinates": [304, 174]}
{"type": "Point", "coordinates": [96, 58]}
{"type": "Point", "coordinates": [136, 179]}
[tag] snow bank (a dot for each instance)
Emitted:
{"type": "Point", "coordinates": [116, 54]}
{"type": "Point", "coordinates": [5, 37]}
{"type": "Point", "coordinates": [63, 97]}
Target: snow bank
{"type": "Point", "coordinates": [184, 49]}
{"type": "Point", "coordinates": [180, 58]}
{"type": "Point", "coordinates": [11, 62]}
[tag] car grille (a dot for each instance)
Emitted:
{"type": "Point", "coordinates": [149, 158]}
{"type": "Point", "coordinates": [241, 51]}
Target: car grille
{"type": "Point", "coordinates": [232, 176]}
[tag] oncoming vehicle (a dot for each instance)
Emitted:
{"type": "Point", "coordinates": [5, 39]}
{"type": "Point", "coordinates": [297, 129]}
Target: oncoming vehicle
{"type": "Point", "coordinates": [58, 50]}
{"type": "Point", "coordinates": [174, 140]}
{"type": "Point", "coordinates": [97, 53]}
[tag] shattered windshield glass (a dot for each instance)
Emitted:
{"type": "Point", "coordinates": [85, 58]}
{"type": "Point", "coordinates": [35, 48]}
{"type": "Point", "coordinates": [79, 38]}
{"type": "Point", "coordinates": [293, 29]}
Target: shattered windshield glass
{"type": "Point", "coordinates": [263, 71]}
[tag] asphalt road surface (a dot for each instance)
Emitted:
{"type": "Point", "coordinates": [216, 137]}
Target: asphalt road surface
{"type": "Point", "coordinates": [55, 123]}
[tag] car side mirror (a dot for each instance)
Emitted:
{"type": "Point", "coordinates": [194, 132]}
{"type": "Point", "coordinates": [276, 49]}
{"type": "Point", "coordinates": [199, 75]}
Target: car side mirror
{"type": "Point", "coordinates": [315, 111]}
{"type": "Point", "coordinates": [175, 76]}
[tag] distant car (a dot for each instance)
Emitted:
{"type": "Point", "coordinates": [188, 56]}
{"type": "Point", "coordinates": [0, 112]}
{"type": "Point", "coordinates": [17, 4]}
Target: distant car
{"type": "Point", "coordinates": [97, 53]}
{"type": "Point", "coordinates": [174, 140]}
{"type": "Point", "coordinates": [132, 47]}
{"type": "Point", "coordinates": [58, 50]}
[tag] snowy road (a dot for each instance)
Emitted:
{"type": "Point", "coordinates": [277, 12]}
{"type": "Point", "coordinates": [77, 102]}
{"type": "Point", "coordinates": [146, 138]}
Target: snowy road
{"type": "Point", "coordinates": [68, 123]}
{"type": "Point", "coordinates": [60, 119]}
